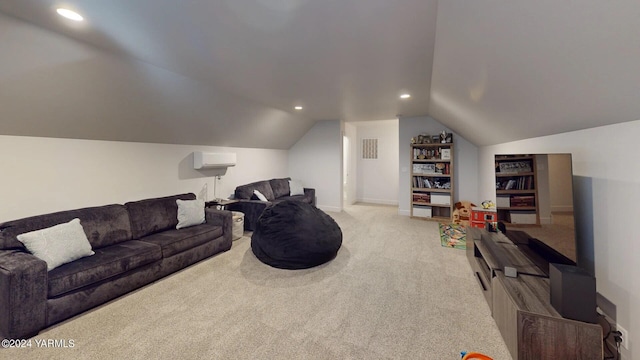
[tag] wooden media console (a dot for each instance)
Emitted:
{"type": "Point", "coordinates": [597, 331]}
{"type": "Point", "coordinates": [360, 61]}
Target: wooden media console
{"type": "Point", "coordinates": [530, 326]}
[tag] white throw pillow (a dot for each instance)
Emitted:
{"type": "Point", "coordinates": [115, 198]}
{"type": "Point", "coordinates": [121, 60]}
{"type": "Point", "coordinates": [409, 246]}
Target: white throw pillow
{"type": "Point", "coordinates": [259, 195]}
{"type": "Point", "coordinates": [59, 244]}
{"type": "Point", "coordinates": [296, 188]}
{"type": "Point", "coordinates": [190, 213]}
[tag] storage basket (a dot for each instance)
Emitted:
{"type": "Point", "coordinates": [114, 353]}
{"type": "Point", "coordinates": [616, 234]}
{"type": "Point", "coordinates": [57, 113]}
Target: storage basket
{"type": "Point", "coordinates": [238, 225]}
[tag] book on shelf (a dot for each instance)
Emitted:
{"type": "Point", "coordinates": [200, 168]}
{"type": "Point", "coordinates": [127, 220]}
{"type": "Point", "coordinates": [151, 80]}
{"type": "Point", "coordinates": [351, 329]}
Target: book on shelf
{"type": "Point", "coordinates": [510, 184]}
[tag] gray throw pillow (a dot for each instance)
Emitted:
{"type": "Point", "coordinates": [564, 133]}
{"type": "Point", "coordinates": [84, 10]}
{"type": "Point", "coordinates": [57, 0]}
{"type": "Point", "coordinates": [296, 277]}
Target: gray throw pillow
{"type": "Point", "coordinates": [296, 187]}
{"type": "Point", "coordinates": [190, 213]}
{"type": "Point", "coordinates": [59, 244]}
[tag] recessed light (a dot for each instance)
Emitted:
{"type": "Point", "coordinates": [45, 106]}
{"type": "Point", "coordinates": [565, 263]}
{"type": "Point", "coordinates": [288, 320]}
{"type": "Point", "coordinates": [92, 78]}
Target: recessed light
{"type": "Point", "coordinates": [69, 14]}
{"type": "Point", "coordinates": [298, 107]}
{"type": "Point", "coordinates": [405, 96]}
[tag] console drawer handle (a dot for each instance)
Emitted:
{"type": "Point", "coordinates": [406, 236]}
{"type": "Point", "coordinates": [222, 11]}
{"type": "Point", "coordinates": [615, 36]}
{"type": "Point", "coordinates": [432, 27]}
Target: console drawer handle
{"type": "Point", "coordinates": [484, 288]}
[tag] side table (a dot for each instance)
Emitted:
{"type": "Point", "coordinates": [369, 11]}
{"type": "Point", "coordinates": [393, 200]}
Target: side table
{"type": "Point", "coordinates": [220, 204]}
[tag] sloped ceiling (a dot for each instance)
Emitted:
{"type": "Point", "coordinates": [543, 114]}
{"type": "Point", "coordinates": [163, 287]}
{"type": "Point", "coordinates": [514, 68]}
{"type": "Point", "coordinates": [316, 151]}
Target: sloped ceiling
{"type": "Point", "coordinates": [229, 72]}
{"type": "Point", "coordinates": [510, 70]}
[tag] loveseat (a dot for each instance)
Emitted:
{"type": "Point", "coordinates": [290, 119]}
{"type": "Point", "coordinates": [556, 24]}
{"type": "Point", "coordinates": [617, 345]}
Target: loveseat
{"type": "Point", "coordinates": [274, 190]}
{"type": "Point", "coordinates": [134, 244]}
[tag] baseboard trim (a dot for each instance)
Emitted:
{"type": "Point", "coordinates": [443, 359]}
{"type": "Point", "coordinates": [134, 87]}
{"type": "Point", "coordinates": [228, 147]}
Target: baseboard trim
{"type": "Point", "coordinates": [329, 208]}
{"type": "Point", "coordinates": [378, 201]}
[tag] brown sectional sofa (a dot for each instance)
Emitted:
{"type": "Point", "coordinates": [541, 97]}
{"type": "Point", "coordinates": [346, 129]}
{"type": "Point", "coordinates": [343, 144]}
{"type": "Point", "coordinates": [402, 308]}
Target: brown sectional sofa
{"type": "Point", "coordinates": [135, 244]}
{"type": "Point", "coordinates": [275, 190]}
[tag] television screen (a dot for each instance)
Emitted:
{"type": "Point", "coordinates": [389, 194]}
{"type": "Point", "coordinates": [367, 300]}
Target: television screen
{"type": "Point", "coordinates": [534, 198]}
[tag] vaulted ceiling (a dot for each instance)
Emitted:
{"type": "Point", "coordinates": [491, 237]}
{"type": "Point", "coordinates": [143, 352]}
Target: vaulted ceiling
{"type": "Point", "coordinates": [229, 72]}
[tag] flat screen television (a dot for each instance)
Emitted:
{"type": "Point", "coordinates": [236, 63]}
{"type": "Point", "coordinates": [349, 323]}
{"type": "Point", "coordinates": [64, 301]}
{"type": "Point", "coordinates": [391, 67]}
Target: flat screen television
{"type": "Point", "coordinates": [534, 199]}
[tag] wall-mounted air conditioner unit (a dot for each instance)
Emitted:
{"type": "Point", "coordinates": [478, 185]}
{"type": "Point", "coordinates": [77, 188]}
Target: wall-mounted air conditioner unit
{"type": "Point", "coordinates": [203, 160]}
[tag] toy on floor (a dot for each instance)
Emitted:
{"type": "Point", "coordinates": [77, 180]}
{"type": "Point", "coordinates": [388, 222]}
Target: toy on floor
{"type": "Point", "coordinates": [474, 355]}
{"type": "Point", "coordinates": [462, 212]}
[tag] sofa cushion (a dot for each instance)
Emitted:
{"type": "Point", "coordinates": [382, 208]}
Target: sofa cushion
{"type": "Point", "coordinates": [59, 244]}
{"type": "Point", "coordinates": [176, 241]}
{"type": "Point", "coordinates": [103, 225]}
{"type": "Point", "coordinates": [280, 187]}
{"type": "Point", "coordinates": [107, 262]}
{"type": "Point", "coordinates": [246, 191]}
{"type": "Point", "coordinates": [154, 215]}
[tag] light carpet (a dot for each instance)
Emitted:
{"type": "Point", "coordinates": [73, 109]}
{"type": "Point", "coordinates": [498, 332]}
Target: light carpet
{"type": "Point", "coordinates": [391, 293]}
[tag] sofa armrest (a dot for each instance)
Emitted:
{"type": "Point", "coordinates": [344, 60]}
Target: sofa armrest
{"type": "Point", "coordinates": [23, 294]}
{"type": "Point", "coordinates": [252, 209]}
{"type": "Point", "coordinates": [311, 195]}
{"type": "Point", "coordinates": [222, 218]}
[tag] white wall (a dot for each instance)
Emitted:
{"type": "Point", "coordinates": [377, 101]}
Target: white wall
{"type": "Point", "coordinates": [351, 159]}
{"type": "Point", "coordinates": [607, 193]}
{"type": "Point", "coordinates": [465, 162]}
{"type": "Point", "coordinates": [316, 159]}
{"type": "Point", "coordinates": [42, 175]}
{"type": "Point", "coordinates": [377, 179]}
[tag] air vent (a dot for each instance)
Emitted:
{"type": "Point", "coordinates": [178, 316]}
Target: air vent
{"type": "Point", "coordinates": [369, 148]}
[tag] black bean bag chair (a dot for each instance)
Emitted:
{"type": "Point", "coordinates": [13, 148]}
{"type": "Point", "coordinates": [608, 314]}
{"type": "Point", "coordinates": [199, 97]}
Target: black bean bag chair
{"type": "Point", "coordinates": [295, 235]}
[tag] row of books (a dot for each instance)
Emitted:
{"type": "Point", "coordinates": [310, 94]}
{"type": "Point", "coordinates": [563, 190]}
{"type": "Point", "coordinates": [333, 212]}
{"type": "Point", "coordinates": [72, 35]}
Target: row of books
{"type": "Point", "coordinates": [520, 183]}
{"type": "Point", "coordinates": [424, 182]}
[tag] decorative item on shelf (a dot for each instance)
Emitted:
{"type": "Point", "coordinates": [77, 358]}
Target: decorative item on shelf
{"type": "Point", "coordinates": [446, 137]}
{"type": "Point", "coordinates": [423, 138]}
{"type": "Point", "coordinates": [441, 184]}
{"type": "Point", "coordinates": [445, 154]}
{"type": "Point", "coordinates": [488, 204]}
{"type": "Point", "coordinates": [515, 167]}
{"type": "Point", "coordinates": [424, 169]}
